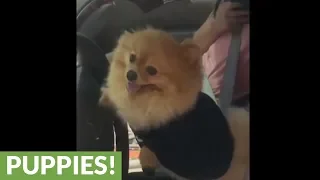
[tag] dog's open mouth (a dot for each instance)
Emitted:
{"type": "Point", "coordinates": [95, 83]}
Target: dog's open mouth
{"type": "Point", "coordinates": [133, 87]}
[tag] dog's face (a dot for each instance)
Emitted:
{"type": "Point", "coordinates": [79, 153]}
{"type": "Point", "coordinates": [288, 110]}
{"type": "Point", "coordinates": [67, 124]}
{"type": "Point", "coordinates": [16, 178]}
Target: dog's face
{"type": "Point", "coordinates": [153, 78]}
{"type": "Point", "coordinates": [152, 61]}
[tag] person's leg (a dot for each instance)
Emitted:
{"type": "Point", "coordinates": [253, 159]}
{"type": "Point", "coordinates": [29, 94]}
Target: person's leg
{"type": "Point", "coordinates": [239, 122]}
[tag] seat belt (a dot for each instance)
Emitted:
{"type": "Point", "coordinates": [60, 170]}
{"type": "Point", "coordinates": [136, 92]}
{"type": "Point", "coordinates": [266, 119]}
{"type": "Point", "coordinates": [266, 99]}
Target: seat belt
{"type": "Point", "coordinates": [230, 75]}
{"type": "Point", "coordinates": [225, 97]}
{"type": "Point", "coordinates": [230, 71]}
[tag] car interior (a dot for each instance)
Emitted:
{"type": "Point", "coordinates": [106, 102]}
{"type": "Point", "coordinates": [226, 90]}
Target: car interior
{"type": "Point", "coordinates": [99, 24]}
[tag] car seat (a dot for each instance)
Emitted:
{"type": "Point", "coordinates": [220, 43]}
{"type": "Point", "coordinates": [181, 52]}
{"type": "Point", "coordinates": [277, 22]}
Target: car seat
{"type": "Point", "coordinates": [95, 124]}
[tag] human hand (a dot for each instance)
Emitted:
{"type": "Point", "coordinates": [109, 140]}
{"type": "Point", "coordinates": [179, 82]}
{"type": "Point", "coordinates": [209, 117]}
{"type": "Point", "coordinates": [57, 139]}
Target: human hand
{"type": "Point", "coordinates": [230, 15]}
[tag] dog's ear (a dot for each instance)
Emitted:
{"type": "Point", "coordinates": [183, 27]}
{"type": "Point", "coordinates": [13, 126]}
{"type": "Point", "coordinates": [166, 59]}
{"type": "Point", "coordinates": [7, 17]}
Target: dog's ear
{"type": "Point", "coordinates": [191, 51]}
{"type": "Point", "coordinates": [127, 33]}
{"type": "Point", "coordinates": [149, 26]}
{"type": "Point", "coordinates": [125, 36]}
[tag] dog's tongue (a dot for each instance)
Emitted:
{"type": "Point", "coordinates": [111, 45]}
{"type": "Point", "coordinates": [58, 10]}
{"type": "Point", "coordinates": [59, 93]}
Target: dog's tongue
{"type": "Point", "coordinates": [133, 87]}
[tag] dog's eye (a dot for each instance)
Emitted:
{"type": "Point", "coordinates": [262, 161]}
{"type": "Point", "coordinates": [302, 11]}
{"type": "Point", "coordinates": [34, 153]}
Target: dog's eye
{"type": "Point", "coordinates": [132, 58]}
{"type": "Point", "coordinates": [151, 70]}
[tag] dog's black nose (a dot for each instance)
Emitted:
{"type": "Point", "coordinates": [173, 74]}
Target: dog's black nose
{"type": "Point", "coordinates": [132, 76]}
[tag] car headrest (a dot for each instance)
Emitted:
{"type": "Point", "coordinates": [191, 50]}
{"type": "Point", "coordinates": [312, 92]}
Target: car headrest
{"type": "Point", "coordinates": [106, 24]}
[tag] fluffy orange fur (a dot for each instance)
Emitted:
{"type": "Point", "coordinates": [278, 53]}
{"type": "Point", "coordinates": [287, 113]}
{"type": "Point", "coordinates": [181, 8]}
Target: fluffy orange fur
{"type": "Point", "coordinates": [171, 92]}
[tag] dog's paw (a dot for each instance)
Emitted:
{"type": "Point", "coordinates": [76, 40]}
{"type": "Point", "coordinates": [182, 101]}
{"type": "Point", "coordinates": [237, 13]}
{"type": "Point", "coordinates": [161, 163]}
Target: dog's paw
{"type": "Point", "coordinates": [148, 160]}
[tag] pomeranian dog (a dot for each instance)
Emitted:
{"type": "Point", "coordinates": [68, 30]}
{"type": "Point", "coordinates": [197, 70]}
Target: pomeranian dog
{"type": "Point", "coordinates": [147, 76]}
{"type": "Point", "coordinates": [153, 78]}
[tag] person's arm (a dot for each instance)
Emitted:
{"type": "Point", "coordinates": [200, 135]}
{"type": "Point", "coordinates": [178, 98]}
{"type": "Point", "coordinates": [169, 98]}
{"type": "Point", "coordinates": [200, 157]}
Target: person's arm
{"type": "Point", "coordinates": [228, 14]}
{"type": "Point", "coordinates": [207, 34]}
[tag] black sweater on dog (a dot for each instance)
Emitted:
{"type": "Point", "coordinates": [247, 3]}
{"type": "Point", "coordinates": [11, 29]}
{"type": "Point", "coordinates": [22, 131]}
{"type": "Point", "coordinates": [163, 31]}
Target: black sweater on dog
{"type": "Point", "coordinates": [198, 145]}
